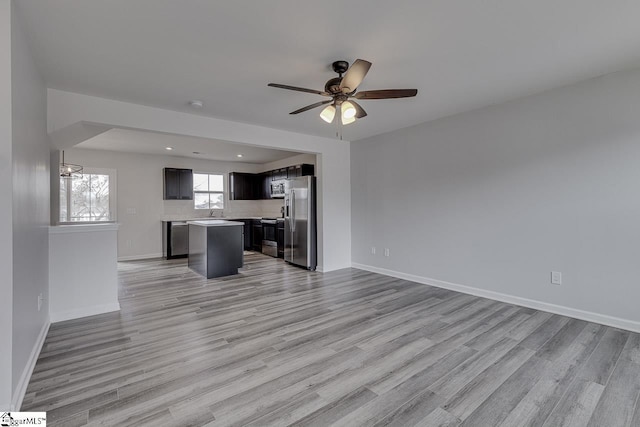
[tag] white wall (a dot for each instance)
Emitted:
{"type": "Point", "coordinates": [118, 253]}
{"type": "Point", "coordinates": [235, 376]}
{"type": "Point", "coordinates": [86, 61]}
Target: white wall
{"type": "Point", "coordinates": [497, 198]}
{"type": "Point", "coordinates": [67, 109]}
{"type": "Point", "coordinates": [30, 175]}
{"type": "Point", "coordinates": [140, 207]}
{"type": "Point", "coordinates": [6, 212]}
{"type": "Point", "coordinates": [54, 187]}
{"type": "Point", "coordinates": [83, 270]}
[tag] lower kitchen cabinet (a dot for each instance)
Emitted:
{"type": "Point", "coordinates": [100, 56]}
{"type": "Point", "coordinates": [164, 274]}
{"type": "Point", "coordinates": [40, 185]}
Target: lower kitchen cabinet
{"type": "Point", "coordinates": [175, 237]}
{"type": "Point", "coordinates": [280, 236]}
{"type": "Point", "coordinates": [256, 235]}
{"type": "Point", "coordinates": [247, 234]}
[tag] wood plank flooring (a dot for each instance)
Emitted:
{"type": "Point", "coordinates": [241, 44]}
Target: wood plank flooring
{"type": "Point", "coordinates": [278, 345]}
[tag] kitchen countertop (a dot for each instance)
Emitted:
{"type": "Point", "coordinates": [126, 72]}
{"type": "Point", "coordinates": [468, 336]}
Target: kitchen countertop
{"type": "Point", "coordinates": [225, 218]}
{"type": "Point", "coordinates": [83, 228]}
{"type": "Point", "coordinates": [214, 223]}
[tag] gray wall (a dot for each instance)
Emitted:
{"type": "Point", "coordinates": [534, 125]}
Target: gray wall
{"type": "Point", "coordinates": [30, 160]}
{"type": "Point", "coordinates": [6, 212]}
{"type": "Point", "coordinates": [499, 197]}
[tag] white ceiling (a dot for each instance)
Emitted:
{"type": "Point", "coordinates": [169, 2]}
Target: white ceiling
{"type": "Point", "coordinates": [134, 141]}
{"type": "Point", "coordinates": [460, 55]}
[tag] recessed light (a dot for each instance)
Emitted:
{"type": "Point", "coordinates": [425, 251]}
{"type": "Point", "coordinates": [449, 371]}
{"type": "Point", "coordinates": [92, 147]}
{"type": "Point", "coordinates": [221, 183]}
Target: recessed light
{"type": "Point", "coordinates": [169, 148]}
{"type": "Point", "coordinates": [238, 155]}
{"type": "Point", "coordinates": [196, 103]}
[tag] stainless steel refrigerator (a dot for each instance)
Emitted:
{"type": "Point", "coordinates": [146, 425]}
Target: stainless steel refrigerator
{"type": "Point", "coordinates": [300, 222]}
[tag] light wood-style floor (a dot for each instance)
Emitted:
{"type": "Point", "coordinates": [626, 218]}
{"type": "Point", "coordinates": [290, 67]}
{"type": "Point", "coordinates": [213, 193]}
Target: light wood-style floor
{"type": "Point", "coordinates": [277, 345]}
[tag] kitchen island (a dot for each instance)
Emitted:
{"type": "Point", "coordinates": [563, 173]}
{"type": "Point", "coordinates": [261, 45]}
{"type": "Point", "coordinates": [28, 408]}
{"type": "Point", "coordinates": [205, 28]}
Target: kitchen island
{"type": "Point", "coordinates": [216, 247]}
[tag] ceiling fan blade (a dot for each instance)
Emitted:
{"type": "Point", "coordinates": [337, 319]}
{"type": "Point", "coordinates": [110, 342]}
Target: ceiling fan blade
{"type": "Point", "coordinates": [354, 75]}
{"type": "Point", "coordinates": [299, 89]}
{"type": "Point", "coordinates": [386, 94]}
{"type": "Point", "coordinates": [312, 106]}
{"type": "Point", "coordinates": [360, 113]}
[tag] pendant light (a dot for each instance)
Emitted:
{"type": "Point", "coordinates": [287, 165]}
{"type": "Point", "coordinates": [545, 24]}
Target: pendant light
{"type": "Point", "coordinates": [69, 170]}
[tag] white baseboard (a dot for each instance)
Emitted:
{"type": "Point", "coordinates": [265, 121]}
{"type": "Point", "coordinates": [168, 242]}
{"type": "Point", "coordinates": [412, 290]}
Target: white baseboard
{"type": "Point", "coordinates": [84, 312]}
{"type": "Point", "coordinates": [138, 257]}
{"type": "Point", "coordinates": [21, 388]}
{"type": "Point", "coordinates": [589, 316]}
{"type": "Point", "coordinates": [325, 269]}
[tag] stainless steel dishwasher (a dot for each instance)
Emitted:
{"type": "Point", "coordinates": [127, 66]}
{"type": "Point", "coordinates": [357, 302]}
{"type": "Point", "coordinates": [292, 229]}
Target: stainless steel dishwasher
{"type": "Point", "coordinates": [179, 238]}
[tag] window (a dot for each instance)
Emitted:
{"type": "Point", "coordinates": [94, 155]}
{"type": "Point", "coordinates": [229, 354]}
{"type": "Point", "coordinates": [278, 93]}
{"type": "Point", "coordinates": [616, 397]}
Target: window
{"type": "Point", "coordinates": [89, 197]}
{"type": "Point", "coordinates": [208, 191]}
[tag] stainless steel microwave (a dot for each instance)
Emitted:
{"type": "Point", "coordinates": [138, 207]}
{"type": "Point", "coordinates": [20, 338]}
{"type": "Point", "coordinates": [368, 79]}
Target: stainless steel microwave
{"type": "Point", "coordinates": [278, 189]}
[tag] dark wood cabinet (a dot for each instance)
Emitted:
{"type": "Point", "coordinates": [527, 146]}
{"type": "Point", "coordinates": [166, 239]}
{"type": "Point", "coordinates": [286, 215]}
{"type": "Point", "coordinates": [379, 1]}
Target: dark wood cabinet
{"type": "Point", "coordinates": [256, 235]}
{"type": "Point", "coordinates": [278, 174]}
{"type": "Point", "coordinates": [264, 180]}
{"type": "Point", "coordinates": [250, 186]}
{"type": "Point", "coordinates": [300, 170]}
{"type": "Point", "coordinates": [291, 172]}
{"type": "Point", "coordinates": [307, 170]}
{"type": "Point", "coordinates": [247, 234]}
{"type": "Point", "coordinates": [178, 184]}
{"type": "Point", "coordinates": [280, 238]}
{"type": "Point", "coordinates": [242, 186]}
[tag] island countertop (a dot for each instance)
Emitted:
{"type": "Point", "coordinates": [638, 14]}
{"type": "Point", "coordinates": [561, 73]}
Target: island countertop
{"type": "Point", "coordinates": [214, 223]}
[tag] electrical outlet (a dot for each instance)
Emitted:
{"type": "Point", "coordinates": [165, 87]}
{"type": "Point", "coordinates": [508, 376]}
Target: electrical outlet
{"type": "Point", "coordinates": [131, 211]}
{"type": "Point", "coordinates": [373, 250]}
{"type": "Point", "coordinates": [128, 243]}
{"type": "Point", "coordinates": [40, 298]}
{"type": "Point", "coordinates": [386, 251]}
{"type": "Point", "coordinates": [556, 278]}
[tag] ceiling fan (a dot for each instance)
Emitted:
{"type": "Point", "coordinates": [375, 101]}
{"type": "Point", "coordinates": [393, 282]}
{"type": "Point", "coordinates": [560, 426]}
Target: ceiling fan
{"type": "Point", "coordinates": [342, 91]}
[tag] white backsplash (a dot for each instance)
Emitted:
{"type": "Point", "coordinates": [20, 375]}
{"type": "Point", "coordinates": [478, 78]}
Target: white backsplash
{"type": "Point", "coordinates": [183, 209]}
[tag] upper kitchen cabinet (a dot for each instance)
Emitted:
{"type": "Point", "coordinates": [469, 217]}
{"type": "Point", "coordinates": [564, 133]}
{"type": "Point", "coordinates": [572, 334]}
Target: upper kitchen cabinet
{"type": "Point", "coordinates": [243, 186]}
{"type": "Point", "coordinates": [249, 186]}
{"type": "Point", "coordinates": [178, 184]}
{"type": "Point", "coordinates": [292, 172]}
{"type": "Point", "coordinates": [279, 174]}
{"type": "Point", "coordinates": [300, 170]}
{"type": "Point", "coordinates": [264, 179]}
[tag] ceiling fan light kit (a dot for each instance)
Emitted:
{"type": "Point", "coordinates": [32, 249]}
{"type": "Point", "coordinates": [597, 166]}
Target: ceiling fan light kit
{"type": "Point", "coordinates": [348, 110]}
{"type": "Point", "coordinates": [348, 120]}
{"type": "Point", "coordinates": [328, 113]}
{"type": "Point", "coordinates": [342, 91]}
